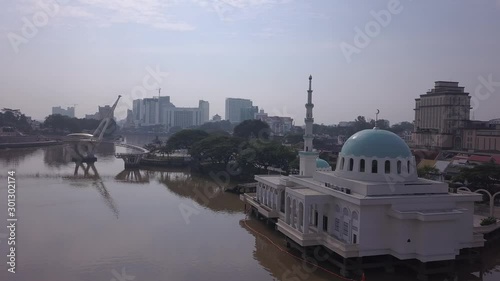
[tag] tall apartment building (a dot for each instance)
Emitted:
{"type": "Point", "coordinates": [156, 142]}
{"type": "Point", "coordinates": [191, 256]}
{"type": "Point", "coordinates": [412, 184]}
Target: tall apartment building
{"type": "Point", "coordinates": [70, 111]}
{"type": "Point", "coordinates": [238, 110]}
{"type": "Point", "coordinates": [205, 114]}
{"type": "Point", "coordinates": [160, 111]}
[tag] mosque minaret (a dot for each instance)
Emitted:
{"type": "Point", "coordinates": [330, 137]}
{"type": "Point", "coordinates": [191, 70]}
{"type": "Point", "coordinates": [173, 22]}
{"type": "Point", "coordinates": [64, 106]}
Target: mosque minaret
{"type": "Point", "coordinates": [309, 155]}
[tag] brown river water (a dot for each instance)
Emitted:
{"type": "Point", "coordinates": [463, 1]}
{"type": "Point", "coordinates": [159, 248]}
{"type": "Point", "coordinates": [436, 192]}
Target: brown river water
{"type": "Point", "coordinates": [146, 225]}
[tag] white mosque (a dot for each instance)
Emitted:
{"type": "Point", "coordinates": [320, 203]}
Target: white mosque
{"type": "Point", "coordinates": [372, 204]}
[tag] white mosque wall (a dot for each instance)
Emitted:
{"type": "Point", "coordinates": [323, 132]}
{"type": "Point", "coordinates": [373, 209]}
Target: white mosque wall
{"type": "Point", "coordinates": [389, 187]}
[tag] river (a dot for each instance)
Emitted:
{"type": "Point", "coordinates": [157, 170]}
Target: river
{"type": "Point", "coordinates": [144, 225]}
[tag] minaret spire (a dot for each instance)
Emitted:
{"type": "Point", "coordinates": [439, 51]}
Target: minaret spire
{"type": "Point", "coordinates": [309, 120]}
{"type": "Point", "coordinates": [308, 155]}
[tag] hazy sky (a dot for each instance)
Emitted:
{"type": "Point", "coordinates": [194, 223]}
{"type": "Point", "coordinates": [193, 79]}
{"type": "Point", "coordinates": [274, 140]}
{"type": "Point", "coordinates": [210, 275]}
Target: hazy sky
{"type": "Point", "coordinates": [86, 52]}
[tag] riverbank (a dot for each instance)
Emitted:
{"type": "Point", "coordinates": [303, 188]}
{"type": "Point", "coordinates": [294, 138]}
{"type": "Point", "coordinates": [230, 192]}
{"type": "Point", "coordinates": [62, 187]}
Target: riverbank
{"type": "Point", "coordinates": [28, 144]}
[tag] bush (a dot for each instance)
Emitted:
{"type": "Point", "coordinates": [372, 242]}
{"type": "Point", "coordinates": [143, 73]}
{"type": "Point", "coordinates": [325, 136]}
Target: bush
{"type": "Point", "coordinates": [488, 221]}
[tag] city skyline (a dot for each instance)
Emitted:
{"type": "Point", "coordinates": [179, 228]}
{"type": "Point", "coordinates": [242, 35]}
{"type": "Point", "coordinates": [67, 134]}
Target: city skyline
{"type": "Point", "coordinates": [258, 50]}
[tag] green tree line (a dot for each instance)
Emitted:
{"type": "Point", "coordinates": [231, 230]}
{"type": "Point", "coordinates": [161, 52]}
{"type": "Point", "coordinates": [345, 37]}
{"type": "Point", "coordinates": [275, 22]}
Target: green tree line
{"type": "Point", "coordinates": [249, 150]}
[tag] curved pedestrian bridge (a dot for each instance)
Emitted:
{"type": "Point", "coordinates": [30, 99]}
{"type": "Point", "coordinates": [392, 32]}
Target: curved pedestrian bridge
{"type": "Point", "coordinates": [132, 158]}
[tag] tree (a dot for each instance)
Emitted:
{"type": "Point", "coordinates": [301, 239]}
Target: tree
{"type": "Point", "coordinates": [165, 149]}
{"type": "Point", "coordinates": [186, 138]}
{"type": "Point", "coordinates": [216, 149]}
{"type": "Point", "coordinates": [361, 124]}
{"type": "Point", "coordinates": [211, 127]}
{"type": "Point", "coordinates": [174, 130]}
{"type": "Point", "coordinates": [10, 118]}
{"type": "Point", "coordinates": [269, 154]}
{"type": "Point", "coordinates": [381, 124]}
{"type": "Point", "coordinates": [294, 138]}
{"type": "Point", "coordinates": [285, 156]}
{"type": "Point", "coordinates": [252, 129]}
{"type": "Point", "coordinates": [401, 127]}
{"type": "Point", "coordinates": [427, 172]}
{"type": "Point", "coordinates": [486, 176]}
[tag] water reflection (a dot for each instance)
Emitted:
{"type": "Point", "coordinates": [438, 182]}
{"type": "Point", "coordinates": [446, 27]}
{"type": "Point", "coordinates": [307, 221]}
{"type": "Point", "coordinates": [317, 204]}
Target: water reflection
{"type": "Point", "coordinates": [133, 176]}
{"type": "Point", "coordinates": [271, 253]}
{"type": "Point", "coordinates": [92, 180]}
{"type": "Point", "coordinates": [12, 157]}
{"type": "Point", "coordinates": [201, 190]}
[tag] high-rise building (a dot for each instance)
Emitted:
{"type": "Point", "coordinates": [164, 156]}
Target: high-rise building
{"type": "Point", "coordinates": [150, 111]}
{"type": "Point", "coordinates": [440, 114]}
{"type": "Point", "coordinates": [138, 111]}
{"type": "Point", "coordinates": [248, 113]}
{"type": "Point", "coordinates": [160, 111]}
{"type": "Point", "coordinates": [234, 107]}
{"type": "Point", "coordinates": [205, 111]}
{"type": "Point", "coordinates": [70, 111]}
{"type": "Point", "coordinates": [442, 121]}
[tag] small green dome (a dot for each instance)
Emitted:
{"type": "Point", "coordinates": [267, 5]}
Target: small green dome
{"type": "Point", "coordinates": [376, 143]}
{"type": "Point", "coordinates": [322, 164]}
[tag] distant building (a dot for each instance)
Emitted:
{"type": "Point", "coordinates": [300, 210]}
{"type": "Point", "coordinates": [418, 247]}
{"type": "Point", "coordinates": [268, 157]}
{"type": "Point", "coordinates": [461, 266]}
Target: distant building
{"type": "Point", "coordinates": [151, 112]}
{"type": "Point", "coordinates": [440, 114]}
{"type": "Point", "coordinates": [103, 112]}
{"type": "Point", "coordinates": [216, 118]}
{"type": "Point", "coordinates": [70, 111]}
{"type": "Point", "coordinates": [346, 124]}
{"type": "Point", "coordinates": [238, 110]}
{"type": "Point", "coordinates": [278, 125]}
{"type": "Point", "coordinates": [407, 136]}
{"type": "Point", "coordinates": [248, 113]}
{"type": "Point", "coordinates": [129, 120]}
{"type": "Point", "coordinates": [482, 136]}
{"type": "Point", "coordinates": [340, 139]}
{"type": "Point", "coordinates": [442, 121]}
{"type": "Point", "coordinates": [92, 116]}
{"type": "Point", "coordinates": [205, 113]}
{"type": "Point", "coordinates": [160, 111]}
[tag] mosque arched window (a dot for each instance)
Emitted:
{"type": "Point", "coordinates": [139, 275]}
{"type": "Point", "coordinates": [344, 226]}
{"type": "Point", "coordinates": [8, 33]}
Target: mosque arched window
{"type": "Point", "coordinates": [387, 166]}
{"type": "Point", "coordinates": [362, 165]}
{"type": "Point", "coordinates": [374, 166]}
{"type": "Point", "coordinates": [399, 167]}
{"type": "Point", "coordinates": [408, 166]}
{"type": "Point", "coordinates": [351, 164]}
{"type": "Point", "coordinates": [342, 163]}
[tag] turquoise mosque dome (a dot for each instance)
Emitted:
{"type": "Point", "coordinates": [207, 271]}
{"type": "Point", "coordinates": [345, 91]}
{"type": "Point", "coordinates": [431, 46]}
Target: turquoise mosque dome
{"type": "Point", "coordinates": [376, 143]}
{"type": "Point", "coordinates": [322, 164]}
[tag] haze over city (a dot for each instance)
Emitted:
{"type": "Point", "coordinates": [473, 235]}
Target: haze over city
{"type": "Point", "coordinates": [88, 52]}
